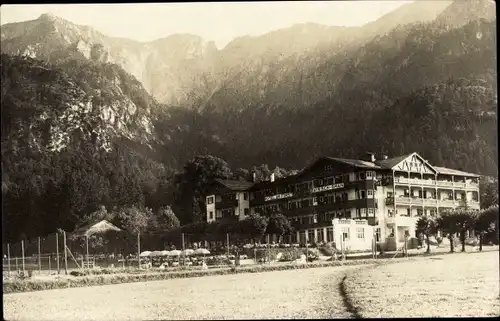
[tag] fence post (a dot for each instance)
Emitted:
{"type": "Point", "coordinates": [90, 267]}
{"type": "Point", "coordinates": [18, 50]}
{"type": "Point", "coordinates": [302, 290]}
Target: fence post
{"type": "Point", "coordinates": [87, 248]}
{"type": "Point", "coordinates": [139, 249]}
{"type": "Point", "coordinates": [307, 251]}
{"type": "Point", "coordinates": [17, 265]}
{"type": "Point", "coordinates": [227, 240]}
{"type": "Point", "coordinates": [39, 257]}
{"type": "Point", "coordinates": [50, 269]}
{"type": "Point", "coordinates": [183, 250]}
{"type": "Point", "coordinates": [57, 252]}
{"type": "Point", "coordinates": [65, 254]}
{"type": "Point", "coordinates": [22, 250]}
{"type": "Point", "coordinates": [8, 258]}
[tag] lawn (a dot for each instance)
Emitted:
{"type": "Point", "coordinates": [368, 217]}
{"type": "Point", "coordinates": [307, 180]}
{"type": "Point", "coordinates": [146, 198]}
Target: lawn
{"type": "Point", "coordinates": [461, 284]}
{"type": "Point", "coordinates": [310, 293]}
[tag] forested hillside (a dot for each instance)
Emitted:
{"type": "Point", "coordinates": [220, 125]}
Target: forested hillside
{"type": "Point", "coordinates": [79, 131]}
{"type": "Point", "coordinates": [361, 111]}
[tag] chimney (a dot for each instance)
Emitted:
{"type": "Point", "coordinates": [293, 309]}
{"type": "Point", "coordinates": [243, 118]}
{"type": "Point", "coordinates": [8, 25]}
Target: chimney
{"type": "Point", "coordinates": [272, 177]}
{"type": "Point", "coordinates": [368, 157]}
{"type": "Point", "coordinates": [254, 176]}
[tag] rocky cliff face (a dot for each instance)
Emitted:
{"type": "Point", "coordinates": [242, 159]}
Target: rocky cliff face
{"type": "Point", "coordinates": [168, 68]}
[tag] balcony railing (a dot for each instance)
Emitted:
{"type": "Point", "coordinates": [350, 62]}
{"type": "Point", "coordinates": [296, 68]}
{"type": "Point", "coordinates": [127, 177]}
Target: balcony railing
{"type": "Point", "coordinates": [425, 201]}
{"type": "Point", "coordinates": [432, 182]}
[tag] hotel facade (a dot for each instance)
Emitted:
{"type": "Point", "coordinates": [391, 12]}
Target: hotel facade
{"type": "Point", "coordinates": [359, 199]}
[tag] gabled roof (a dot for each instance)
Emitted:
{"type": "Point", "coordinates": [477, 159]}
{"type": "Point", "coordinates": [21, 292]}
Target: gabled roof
{"type": "Point", "coordinates": [235, 185]}
{"type": "Point", "coordinates": [355, 162]}
{"type": "Point", "coordinates": [449, 171]}
{"type": "Point", "coordinates": [391, 162]}
{"type": "Point", "coordinates": [277, 181]}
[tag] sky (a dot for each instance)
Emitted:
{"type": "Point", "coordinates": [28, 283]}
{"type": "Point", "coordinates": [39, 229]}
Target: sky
{"type": "Point", "coordinates": [220, 22]}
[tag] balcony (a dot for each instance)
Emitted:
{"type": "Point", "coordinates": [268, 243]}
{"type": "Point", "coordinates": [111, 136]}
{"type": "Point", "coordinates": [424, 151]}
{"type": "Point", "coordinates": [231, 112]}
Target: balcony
{"type": "Point", "coordinates": [430, 202]}
{"type": "Point", "coordinates": [404, 200]}
{"type": "Point", "coordinates": [449, 203]}
{"type": "Point", "coordinates": [434, 183]}
{"type": "Point", "coordinates": [400, 220]}
{"type": "Point", "coordinates": [226, 203]}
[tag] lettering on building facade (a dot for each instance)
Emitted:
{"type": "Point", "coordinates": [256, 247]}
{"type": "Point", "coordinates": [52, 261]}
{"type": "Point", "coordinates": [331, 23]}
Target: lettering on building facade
{"type": "Point", "coordinates": [327, 188]}
{"type": "Point", "coordinates": [277, 197]}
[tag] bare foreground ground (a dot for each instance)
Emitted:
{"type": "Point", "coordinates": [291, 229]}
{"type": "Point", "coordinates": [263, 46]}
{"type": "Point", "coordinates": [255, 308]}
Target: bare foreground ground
{"type": "Point", "coordinates": [462, 284]}
{"type": "Point", "coordinates": [312, 293]}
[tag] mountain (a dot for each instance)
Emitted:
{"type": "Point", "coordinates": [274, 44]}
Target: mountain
{"type": "Point", "coordinates": [186, 70]}
{"type": "Point", "coordinates": [165, 67]}
{"type": "Point", "coordinates": [290, 112]}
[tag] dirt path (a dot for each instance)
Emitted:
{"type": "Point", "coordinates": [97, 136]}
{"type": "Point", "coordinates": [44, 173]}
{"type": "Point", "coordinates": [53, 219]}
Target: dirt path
{"type": "Point", "coordinates": [311, 293]}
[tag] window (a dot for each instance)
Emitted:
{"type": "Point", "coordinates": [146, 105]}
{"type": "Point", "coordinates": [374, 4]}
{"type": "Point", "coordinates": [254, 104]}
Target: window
{"type": "Point", "coordinates": [210, 200]}
{"type": "Point", "coordinates": [362, 176]}
{"type": "Point", "coordinates": [371, 212]}
{"type": "Point", "coordinates": [362, 212]}
{"type": "Point", "coordinates": [420, 212]}
{"type": "Point", "coordinates": [245, 196]}
{"type": "Point", "coordinates": [369, 174]}
{"type": "Point", "coordinates": [329, 234]}
{"type": "Point", "coordinates": [315, 218]}
{"type": "Point", "coordinates": [362, 194]}
{"type": "Point", "coordinates": [345, 233]}
{"type": "Point", "coordinates": [218, 214]}
{"type": "Point", "coordinates": [302, 236]}
{"type": "Point", "coordinates": [377, 234]}
{"type": "Point", "coordinates": [408, 212]}
{"type": "Point", "coordinates": [310, 236]}
{"type": "Point", "coordinates": [321, 236]}
{"type": "Point", "coordinates": [389, 194]}
{"type": "Point", "coordinates": [211, 215]}
{"type": "Point", "coordinates": [369, 193]}
{"type": "Point", "coordinates": [246, 211]}
{"type": "Point", "coordinates": [360, 233]}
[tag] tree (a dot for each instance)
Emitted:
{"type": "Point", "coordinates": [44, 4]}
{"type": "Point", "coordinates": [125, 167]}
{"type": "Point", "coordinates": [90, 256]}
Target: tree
{"type": "Point", "coordinates": [486, 222]}
{"type": "Point", "coordinates": [192, 184]}
{"type": "Point", "coordinates": [488, 188]}
{"type": "Point", "coordinates": [165, 219]}
{"type": "Point", "coordinates": [133, 219]}
{"type": "Point", "coordinates": [428, 227]}
{"type": "Point", "coordinates": [447, 223]}
{"type": "Point", "coordinates": [254, 226]}
{"type": "Point", "coordinates": [464, 219]}
{"type": "Point", "coordinates": [278, 224]}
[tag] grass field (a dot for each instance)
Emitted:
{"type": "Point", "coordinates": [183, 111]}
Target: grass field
{"type": "Point", "coordinates": [312, 293]}
{"type": "Point", "coordinates": [462, 284]}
